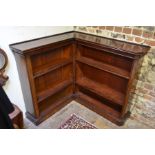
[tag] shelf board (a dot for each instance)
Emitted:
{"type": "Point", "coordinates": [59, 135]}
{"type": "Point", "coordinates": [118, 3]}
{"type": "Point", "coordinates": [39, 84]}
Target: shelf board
{"type": "Point", "coordinates": [44, 69]}
{"type": "Point", "coordinates": [95, 104]}
{"type": "Point", "coordinates": [51, 91]}
{"type": "Point", "coordinates": [105, 67]}
{"type": "Point", "coordinates": [102, 90]}
{"type": "Point", "coordinates": [56, 105]}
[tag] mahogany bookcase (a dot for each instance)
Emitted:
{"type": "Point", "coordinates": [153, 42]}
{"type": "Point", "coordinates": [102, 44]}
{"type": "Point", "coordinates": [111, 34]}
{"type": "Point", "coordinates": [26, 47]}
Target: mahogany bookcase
{"type": "Point", "coordinates": [95, 71]}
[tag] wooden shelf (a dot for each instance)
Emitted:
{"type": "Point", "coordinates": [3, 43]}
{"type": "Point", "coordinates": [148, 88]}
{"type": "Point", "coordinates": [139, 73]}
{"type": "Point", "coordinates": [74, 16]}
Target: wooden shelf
{"type": "Point", "coordinates": [43, 69]}
{"type": "Point", "coordinates": [102, 90]}
{"type": "Point", "coordinates": [102, 66]}
{"type": "Point", "coordinates": [99, 105]}
{"type": "Point", "coordinates": [54, 69]}
{"type": "Point", "coordinates": [57, 104]}
{"type": "Point", "coordinates": [51, 91]}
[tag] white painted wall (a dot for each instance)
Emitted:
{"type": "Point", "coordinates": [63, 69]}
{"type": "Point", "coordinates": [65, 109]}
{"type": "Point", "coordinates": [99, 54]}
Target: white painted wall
{"type": "Point", "coordinates": [10, 35]}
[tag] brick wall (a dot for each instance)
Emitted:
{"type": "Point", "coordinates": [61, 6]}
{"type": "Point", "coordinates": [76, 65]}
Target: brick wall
{"type": "Point", "coordinates": [138, 34]}
{"type": "Point", "coordinates": [142, 97]}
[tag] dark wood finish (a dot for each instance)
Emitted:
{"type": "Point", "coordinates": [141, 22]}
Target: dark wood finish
{"type": "Point", "coordinates": [25, 84]}
{"type": "Point", "coordinates": [17, 118]}
{"type": "Point", "coordinates": [96, 106]}
{"type": "Point", "coordinates": [95, 71]}
{"type": "Point", "coordinates": [104, 67]}
{"type": "Point", "coordinates": [102, 90]}
{"type": "Point", "coordinates": [51, 91]}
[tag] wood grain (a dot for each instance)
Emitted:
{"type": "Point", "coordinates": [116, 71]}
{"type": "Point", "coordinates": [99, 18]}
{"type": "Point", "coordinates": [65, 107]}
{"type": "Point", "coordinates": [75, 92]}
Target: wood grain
{"type": "Point", "coordinates": [95, 71]}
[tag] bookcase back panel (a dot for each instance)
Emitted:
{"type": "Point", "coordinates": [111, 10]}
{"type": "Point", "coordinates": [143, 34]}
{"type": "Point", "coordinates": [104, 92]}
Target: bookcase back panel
{"type": "Point", "coordinates": [105, 57]}
{"type": "Point", "coordinates": [99, 98]}
{"type": "Point", "coordinates": [102, 77]}
{"type": "Point", "coordinates": [51, 57]}
{"type": "Point", "coordinates": [53, 78]}
{"type": "Point", "coordinates": [52, 100]}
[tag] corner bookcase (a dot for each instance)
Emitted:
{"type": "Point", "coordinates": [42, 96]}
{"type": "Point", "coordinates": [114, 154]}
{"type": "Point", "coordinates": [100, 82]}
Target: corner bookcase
{"type": "Point", "coordinates": [95, 71]}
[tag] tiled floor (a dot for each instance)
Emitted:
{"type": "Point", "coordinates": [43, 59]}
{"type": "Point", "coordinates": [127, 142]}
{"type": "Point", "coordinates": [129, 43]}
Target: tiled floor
{"type": "Point", "coordinates": [58, 118]}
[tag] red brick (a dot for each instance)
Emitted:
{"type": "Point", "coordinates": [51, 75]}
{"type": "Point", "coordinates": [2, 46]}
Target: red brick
{"type": "Point", "coordinates": [148, 97]}
{"type": "Point", "coordinates": [139, 40]}
{"type": "Point", "coordinates": [111, 28]}
{"type": "Point", "coordinates": [147, 34]}
{"type": "Point", "coordinates": [142, 90]}
{"type": "Point", "coordinates": [102, 27]}
{"type": "Point", "coordinates": [127, 30]}
{"type": "Point", "coordinates": [148, 86]}
{"type": "Point", "coordinates": [152, 94]}
{"type": "Point", "coordinates": [137, 32]}
{"type": "Point", "coordinates": [150, 42]}
{"type": "Point", "coordinates": [118, 29]}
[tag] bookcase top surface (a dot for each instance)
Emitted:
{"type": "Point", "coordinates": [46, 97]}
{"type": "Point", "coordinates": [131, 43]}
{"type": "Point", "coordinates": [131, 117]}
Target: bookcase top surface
{"type": "Point", "coordinates": [24, 46]}
{"type": "Point", "coordinates": [30, 45]}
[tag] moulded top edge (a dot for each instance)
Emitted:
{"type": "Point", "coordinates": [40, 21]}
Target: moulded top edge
{"type": "Point", "coordinates": [132, 48]}
{"type": "Point", "coordinates": [79, 36]}
{"type": "Point", "coordinates": [39, 42]}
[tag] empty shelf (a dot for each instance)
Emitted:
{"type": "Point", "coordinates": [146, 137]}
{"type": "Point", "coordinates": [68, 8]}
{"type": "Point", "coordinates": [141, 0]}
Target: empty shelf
{"type": "Point", "coordinates": [106, 67]}
{"type": "Point", "coordinates": [51, 91]}
{"type": "Point", "coordinates": [39, 71]}
{"type": "Point", "coordinates": [95, 104]}
{"type": "Point", "coordinates": [102, 90]}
